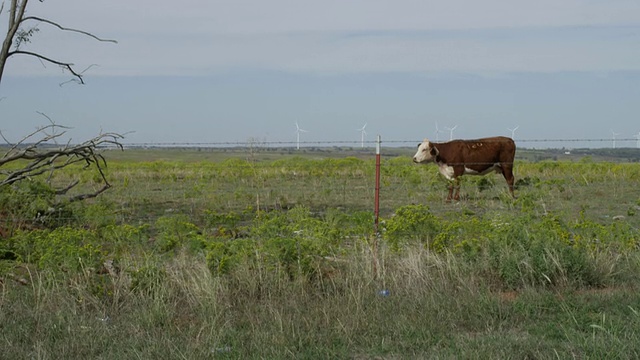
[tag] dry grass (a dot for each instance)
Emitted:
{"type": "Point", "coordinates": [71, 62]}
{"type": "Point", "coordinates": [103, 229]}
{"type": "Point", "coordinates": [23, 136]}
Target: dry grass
{"type": "Point", "coordinates": [437, 305]}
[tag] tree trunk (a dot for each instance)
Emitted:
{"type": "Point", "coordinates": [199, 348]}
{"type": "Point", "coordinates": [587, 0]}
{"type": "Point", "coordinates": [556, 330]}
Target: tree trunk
{"type": "Point", "coordinates": [16, 13]}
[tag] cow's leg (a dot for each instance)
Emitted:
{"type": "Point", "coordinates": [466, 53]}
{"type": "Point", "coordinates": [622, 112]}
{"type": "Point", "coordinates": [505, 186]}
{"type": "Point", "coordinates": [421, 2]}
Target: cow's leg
{"type": "Point", "coordinates": [456, 197]}
{"type": "Point", "coordinates": [458, 171]}
{"type": "Point", "coordinates": [507, 172]}
{"type": "Point", "coordinates": [450, 191]}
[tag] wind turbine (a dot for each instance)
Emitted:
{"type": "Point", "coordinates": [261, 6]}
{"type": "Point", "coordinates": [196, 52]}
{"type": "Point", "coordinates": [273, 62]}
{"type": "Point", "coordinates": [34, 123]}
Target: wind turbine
{"type": "Point", "coordinates": [363, 133]}
{"type": "Point", "coordinates": [298, 131]}
{"type": "Point", "coordinates": [613, 137]}
{"type": "Point", "coordinates": [451, 132]}
{"type": "Point", "coordinates": [637, 136]}
{"type": "Point", "coordinates": [438, 131]}
{"type": "Point", "coordinates": [513, 131]}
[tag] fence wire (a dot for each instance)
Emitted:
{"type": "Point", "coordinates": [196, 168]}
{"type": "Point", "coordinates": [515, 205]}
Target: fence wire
{"type": "Point", "coordinates": [253, 143]}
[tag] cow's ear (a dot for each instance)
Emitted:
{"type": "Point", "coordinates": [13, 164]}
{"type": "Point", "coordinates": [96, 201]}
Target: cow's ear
{"type": "Point", "coordinates": [433, 150]}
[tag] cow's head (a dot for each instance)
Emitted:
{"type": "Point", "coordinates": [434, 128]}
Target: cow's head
{"type": "Point", "coordinates": [426, 152]}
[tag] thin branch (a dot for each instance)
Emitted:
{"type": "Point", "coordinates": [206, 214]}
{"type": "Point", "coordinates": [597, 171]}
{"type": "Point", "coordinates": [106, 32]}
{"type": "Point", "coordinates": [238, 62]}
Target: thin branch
{"type": "Point", "coordinates": [4, 138]}
{"type": "Point", "coordinates": [53, 128]}
{"type": "Point", "coordinates": [47, 117]}
{"type": "Point", "coordinates": [68, 66]}
{"type": "Point", "coordinates": [67, 29]}
{"type": "Point", "coordinates": [63, 191]}
{"type": "Point", "coordinates": [75, 80]}
{"type": "Point", "coordinates": [27, 137]}
{"type": "Point", "coordinates": [90, 195]}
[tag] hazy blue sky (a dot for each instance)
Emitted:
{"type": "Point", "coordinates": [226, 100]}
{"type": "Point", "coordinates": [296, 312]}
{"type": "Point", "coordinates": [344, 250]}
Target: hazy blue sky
{"type": "Point", "coordinates": [203, 71]}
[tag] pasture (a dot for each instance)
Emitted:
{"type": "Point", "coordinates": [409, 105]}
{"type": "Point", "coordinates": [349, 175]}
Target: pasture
{"type": "Point", "coordinates": [254, 253]}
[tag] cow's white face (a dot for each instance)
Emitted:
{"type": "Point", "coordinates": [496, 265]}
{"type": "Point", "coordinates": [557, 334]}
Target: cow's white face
{"type": "Point", "coordinates": [426, 152]}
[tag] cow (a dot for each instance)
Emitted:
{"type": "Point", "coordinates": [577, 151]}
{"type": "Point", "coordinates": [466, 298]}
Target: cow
{"type": "Point", "coordinates": [474, 157]}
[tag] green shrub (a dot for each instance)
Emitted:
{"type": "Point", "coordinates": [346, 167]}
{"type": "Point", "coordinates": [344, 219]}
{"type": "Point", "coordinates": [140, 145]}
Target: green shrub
{"type": "Point", "coordinates": [539, 253]}
{"type": "Point", "coordinates": [176, 231]}
{"type": "Point", "coordinates": [526, 181]}
{"type": "Point", "coordinates": [291, 242]}
{"type": "Point", "coordinates": [223, 256]}
{"type": "Point", "coordinates": [485, 183]}
{"type": "Point", "coordinates": [98, 215]}
{"type": "Point", "coordinates": [32, 203]}
{"type": "Point", "coordinates": [296, 221]}
{"type": "Point", "coordinates": [62, 248]}
{"type": "Point", "coordinates": [124, 239]}
{"type": "Point", "coordinates": [411, 222]}
{"type": "Point", "coordinates": [218, 257]}
{"type": "Point", "coordinates": [295, 257]}
{"type": "Point", "coordinates": [617, 236]}
{"type": "Point", "coordinates": [356, 224]}
{"type": "Point", "coordinates": [224, 225]}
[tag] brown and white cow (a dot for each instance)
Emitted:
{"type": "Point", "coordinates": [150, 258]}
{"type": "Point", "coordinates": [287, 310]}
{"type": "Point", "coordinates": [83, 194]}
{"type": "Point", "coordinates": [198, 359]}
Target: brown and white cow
{"type": "Point", "coordinates": [475, 157]}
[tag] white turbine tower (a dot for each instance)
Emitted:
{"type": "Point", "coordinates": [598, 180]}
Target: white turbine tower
{"type": "Point", "coordinates": [451, 132]}
{"type": "Point", "coordinates": [637, 136]}
{"type": "Point", "coordinates": [513, 131]}
{"type": "Point", "coordinates": [363, 133]}
{"type": "Point", "coordinates": [298, 131]}
{"type": "Point", "coordinates": [438, 131]}
{"type": "Point", "coordinates": [613, 137]}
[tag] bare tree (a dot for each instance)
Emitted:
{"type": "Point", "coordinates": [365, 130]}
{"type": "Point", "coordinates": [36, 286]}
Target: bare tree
{"type": "Point", "coordinates": [38, 155]}
{"type": "Point", "coordinates": [19, 33]}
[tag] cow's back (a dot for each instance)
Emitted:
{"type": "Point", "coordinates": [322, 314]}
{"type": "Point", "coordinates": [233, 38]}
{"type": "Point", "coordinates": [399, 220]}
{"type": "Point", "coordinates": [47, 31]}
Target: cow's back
{"type": "Point", "coordinates": [478, 153]}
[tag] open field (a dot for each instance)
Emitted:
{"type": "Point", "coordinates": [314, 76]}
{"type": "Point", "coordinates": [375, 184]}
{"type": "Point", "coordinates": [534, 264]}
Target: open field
{"type": "Point", "coordinates": [272, 254]}
{"type": "Point", "coordinates": [154, 182]}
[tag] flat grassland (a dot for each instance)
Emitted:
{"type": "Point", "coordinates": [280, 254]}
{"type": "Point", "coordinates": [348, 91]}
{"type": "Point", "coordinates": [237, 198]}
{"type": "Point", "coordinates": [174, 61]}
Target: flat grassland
{"type": "Point", "coordinates": [254, 253]}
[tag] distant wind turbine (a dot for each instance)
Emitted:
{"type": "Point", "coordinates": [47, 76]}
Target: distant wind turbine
{"type": "Point", "coordinates": [363, 133]}
{"type": "Point", "coordinates": [513, 131]}
{"type": "Point", "coordinates": [637, 136]}
{"type": "Point", "coordinates": [298, 131]}
{"type": "Point", "coordinates": [613, 137]}
{"type": "Point", "coordinates": [438, 131]}
{"type": "Point", "coordinates": [451, 132]}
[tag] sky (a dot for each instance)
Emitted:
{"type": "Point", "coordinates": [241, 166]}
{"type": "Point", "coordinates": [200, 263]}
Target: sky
{"type": "Point", "coordinates": [551, 73]}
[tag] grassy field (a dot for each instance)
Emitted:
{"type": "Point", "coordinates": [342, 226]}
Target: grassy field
{"type": "Point", "coordinates": [272, 254]}
{"type": "Point", "coordinates": [188, 180]}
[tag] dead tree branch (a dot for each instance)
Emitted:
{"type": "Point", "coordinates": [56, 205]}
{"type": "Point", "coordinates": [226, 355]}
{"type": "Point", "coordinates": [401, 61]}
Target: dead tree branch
{"type": "Point", "coordinates": [46, 21]}
{"type": "Point", "coordinates": [68, 66]}
{"type": "Point", "coordinates": [40, 159]}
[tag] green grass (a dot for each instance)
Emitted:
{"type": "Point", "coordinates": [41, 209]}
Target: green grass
{"type": "Point", "coordinates": [274, 257]}
{"type": "Point", "coordinates": [437, 307]}
{"type": "Point", "coordinates": [144, 190]}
